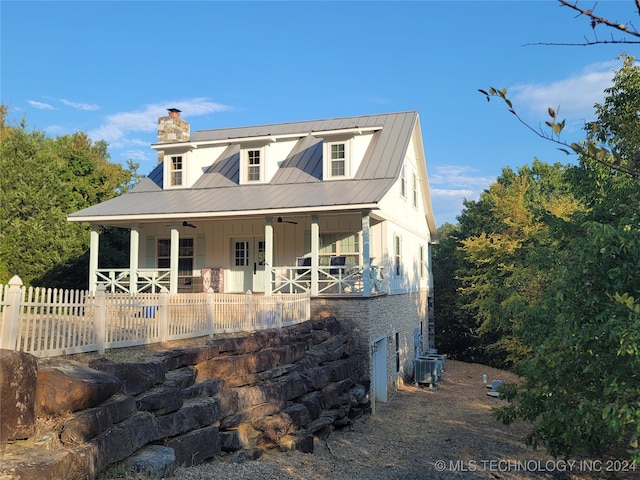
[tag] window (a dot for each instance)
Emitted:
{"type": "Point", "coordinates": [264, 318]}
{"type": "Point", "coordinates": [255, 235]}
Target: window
{"type": "Point", "coordinates": [185, 255]}
{"type": "Point", "coordinates": [403, 183]}
{"type": "Point", "coordinates": [422, 262]}
{"type": "Point", "coordinates": [414, 181]}
{"type": "Point", "coordinates": [342, 244]}
{"type": "Point", "coordinates": [337, 160]}
{"type": "Point", "coordinates": [397, 250]}
{"type": "Point", "coordinates": [176, 171]}
{"type": "Point", "coordinates": [241, 254]}
{"type": "Point", "coordinates": [397, 352]}
{"type": "Point", "coordinates": [254, 165]}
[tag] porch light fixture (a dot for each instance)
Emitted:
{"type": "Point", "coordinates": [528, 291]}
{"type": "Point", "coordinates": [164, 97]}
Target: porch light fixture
{"type": "Point", "coordinates": [280, 220]}
{"type": "Point", "coordinates": [187, 224]}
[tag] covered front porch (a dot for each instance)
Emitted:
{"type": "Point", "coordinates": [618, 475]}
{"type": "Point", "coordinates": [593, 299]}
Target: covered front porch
{"type": "Point", "coordinates": [325, 253]}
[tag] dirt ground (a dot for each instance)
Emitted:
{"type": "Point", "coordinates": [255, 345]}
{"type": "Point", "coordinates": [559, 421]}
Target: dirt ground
{"type": "Point", "coordinates": [444, 433]}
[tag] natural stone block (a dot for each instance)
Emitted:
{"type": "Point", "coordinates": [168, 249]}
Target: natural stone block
{"type": "Point", "coordinates": [318, 377]}
{"type": "Point", "coordinates": [299, 414]}
{"type": "Point", "coordinates": [230, 441]}
{"type": "Point", "coordinates": [252, 414]}
{"type": "Point", "coordinates": [92, 422]}
{"type": "Point", "coordinates": [136, 377]}
{"type": "Point", "coordinates": [321, 426]}
{"type": "Point", "coordinates": [151, 462]}
{"type": "Point", "coordinates": [195, 446]}
{"type": "Point", "coordinates": [292, 386]}
{"type": "Point", "coordinates": [194, 414]}
{"type": "Point", "coordinates": [27, 463]}
{"type": "Point", "coordinates": [65, 386]}
{"type": "Point", "coordinates": [120, 441]}
{"type": "Point", "coordinates": [207, 388]}
{"type": "Point", "coordinates": [18, 376]}
{"type": "Point", "coordinates": [186, 356]}
{"type": "Point", "coordinates": [249, 396]}
{"type": "Point", "coordinates": [219, 367]}
{"type": "Point", "coordinates": [228, 403]}
{"type": "Point", "coordinates": [181, 378]}
{"type": "Point", "coordinates": [300, 441]}
{"type": "Point", "coordinates": [160, 400]}
{"type": "Point", "coordinates": [313, 402]}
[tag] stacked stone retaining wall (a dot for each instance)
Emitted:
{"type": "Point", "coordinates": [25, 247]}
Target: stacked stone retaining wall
{"type": "Point", "coordinates": [273, 389]}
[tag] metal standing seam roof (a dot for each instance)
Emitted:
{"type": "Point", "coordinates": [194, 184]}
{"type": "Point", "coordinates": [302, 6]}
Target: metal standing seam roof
{"type": "Point", "coordinates": [297, 184]}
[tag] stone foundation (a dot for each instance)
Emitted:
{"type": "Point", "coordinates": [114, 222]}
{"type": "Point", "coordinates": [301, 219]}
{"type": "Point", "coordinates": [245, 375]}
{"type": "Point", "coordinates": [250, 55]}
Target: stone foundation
{"type": "Point", "coordinates": [369, 318]}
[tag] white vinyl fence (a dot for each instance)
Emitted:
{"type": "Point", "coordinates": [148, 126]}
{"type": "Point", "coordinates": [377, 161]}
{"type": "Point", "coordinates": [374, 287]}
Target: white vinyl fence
{"type": "Point", "coordinates": [52, 322]}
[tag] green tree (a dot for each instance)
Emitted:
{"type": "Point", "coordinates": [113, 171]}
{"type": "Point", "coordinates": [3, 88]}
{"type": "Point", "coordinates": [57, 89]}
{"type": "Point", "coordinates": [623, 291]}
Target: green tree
{"type": "Point", "coordinates": [44, 179]}
{"type": "Point", "coordinates": [456, 328]}
{"type": "Point", "coordinates": [508, 263]}
{"type": "Point", "coordinates": [581, 383]}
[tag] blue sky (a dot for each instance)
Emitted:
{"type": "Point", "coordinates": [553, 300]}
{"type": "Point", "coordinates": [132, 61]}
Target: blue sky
{"type": "Point", "coordinates": [112, 68]}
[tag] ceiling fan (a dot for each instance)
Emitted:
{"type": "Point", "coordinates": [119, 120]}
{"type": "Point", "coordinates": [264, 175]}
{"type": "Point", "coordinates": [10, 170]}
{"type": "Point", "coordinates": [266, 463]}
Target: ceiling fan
{"type": "Point", "coordinates": [280, 220]}
{"type": "Point", "coordinates": [187, 224]}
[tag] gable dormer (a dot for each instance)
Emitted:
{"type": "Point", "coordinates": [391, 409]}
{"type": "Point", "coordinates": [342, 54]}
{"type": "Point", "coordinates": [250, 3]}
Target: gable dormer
{"type": "Point", "coordinates": [254, 158]}
{"type": "Point", "coordinates": [343, 152]}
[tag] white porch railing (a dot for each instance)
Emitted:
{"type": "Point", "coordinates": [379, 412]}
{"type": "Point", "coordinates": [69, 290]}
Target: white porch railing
{"type": "Point", "coordinates": [332, 280]}
{"type": "Point", "coordinates": [52, 322]}
{"type": "Point", "coordinates": [119, 280]}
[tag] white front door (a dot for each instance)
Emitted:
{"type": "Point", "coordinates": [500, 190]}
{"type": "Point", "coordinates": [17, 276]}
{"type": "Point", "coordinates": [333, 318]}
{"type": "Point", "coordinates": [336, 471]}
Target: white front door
{"type": "Point", "coordinates": [247, 264]}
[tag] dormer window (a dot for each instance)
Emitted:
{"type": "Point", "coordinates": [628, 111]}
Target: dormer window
{"type": "Point", "coordinates": [254, 165]}
{"type": "Point", "coordinates": [176, 167]}
{"type": "Point", "coordinates": [337, 159]}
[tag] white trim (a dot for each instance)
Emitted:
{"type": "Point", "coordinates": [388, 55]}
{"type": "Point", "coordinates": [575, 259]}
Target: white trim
{"type": "Point", "coordinates": [266, 138]}
{"type": "Point", "coordinates": [170, 216]}
{"type": "Point", "coordinates": [168, 170]}
{"type": "Point", "coordinates": [327, 160]}
{"type": "Point", "coordinates": [244, 165]}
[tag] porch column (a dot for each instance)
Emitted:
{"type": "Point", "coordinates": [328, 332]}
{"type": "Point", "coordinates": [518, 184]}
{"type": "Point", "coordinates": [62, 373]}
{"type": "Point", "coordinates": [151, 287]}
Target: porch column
{"type": "Point", "coordinates": [366, 255]}
{"type": "Point", "coordinates": [134, 243]}
{"type": "Point", "coordinates": [93, 259]}
{"type": "Point", "coordinates": [268, 255]}
{"type": "Point", "coordinates": [173, 261]}
{"type": "Point", "coordinates": [315, 248]}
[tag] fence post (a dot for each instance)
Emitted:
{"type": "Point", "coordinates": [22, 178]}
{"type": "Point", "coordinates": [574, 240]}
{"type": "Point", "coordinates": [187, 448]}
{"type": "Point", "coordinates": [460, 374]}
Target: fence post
{"type": "Point", "coordinates": [163, 315]}
{"type": "Point", "coordinates": [248, 309]}
{"type": "Point", "coordinates": [279, 311]}
{"type": "Point", "coordinates": [101, 317]}
{"type": "Point", "coordinates": [210, 313]}
{"type": "Point", "coordinates": [11, 324]}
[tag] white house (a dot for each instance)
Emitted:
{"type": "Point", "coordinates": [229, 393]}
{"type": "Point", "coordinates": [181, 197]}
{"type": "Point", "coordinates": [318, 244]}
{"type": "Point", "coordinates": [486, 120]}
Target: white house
{"type": "Point", "coordinates": [338, 207]}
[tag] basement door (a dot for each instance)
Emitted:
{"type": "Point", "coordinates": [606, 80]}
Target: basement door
{"type": "Point", "coordinates": [247, 264]}
{"type": "Point", "coordinates": [379, 361]}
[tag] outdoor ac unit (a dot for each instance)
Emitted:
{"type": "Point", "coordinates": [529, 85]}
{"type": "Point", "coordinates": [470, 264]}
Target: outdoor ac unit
{"type": "Point", "coordinates": [425, 370]}
{"type": "Point", "coordinates": [439, 358]}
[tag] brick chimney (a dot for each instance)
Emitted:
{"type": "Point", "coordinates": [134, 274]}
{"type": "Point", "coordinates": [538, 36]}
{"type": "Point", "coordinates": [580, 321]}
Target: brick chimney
{"type": "Point", "coordinates": [172, 129]}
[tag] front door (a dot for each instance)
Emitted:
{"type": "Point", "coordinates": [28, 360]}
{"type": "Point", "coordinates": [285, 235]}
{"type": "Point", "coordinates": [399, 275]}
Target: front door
{"type": "Point", "coordinates": [247, 264]}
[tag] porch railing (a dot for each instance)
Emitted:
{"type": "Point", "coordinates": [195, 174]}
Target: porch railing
{"type": "Point", "coordinates": [52, 322]}
{"type": "Point", "coordinates": [119, 280]}
{"type": "Point", "coordinates": [332, 280]}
